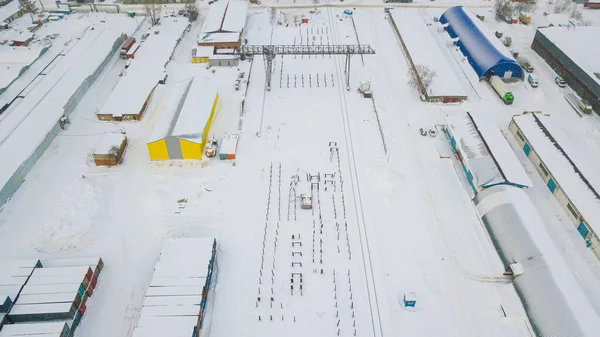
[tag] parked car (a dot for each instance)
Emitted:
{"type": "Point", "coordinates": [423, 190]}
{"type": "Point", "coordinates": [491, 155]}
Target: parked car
{"type": "Point", "coordinates": [163, 80]}
{"type": "Point", "coordinates": [533, 80]}
{"type": "Point", "coordinates": [585, 106]}
{"type": "Point", "coordinates": [561, 83]}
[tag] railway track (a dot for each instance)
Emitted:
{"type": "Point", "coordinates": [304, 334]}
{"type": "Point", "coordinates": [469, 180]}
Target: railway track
{"type": "Point", "coordinates": [360, 216]}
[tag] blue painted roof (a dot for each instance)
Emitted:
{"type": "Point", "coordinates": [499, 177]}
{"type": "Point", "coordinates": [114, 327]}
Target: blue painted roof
{"type": "Point", "coordinates": [485, 52]}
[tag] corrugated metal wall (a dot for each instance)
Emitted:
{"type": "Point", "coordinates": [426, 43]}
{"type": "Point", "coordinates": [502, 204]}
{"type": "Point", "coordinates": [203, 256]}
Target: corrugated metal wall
{"type": "Point", "coordinates": [576, 78]}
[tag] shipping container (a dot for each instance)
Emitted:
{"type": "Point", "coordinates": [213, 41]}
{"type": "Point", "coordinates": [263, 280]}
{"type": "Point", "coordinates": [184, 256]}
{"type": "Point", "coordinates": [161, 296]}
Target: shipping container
{"type": "Point", "coordinates": [175, 291]}
{"type": "Point", "coordinates": [172, 300]}
{"type": "Point", "coordinates": [71, 288]}
{"type": "Point", "coordinates": [131, 52]}
{"type": "Point", "coordinates": [525, 18]}
{"type": "Point", "coordinates": [42, 329]}
{"type": "Point", "coordinates": [228, 147]}
{"type": "Point", "coordinates": [95, 263]}
{"type": "Point", "coordinates": [63, 271]}
{"type": "Point", "coordinates": [50, 298]}
{"type": "Point", "coordinates": [42, 312]}
{"type": "Point", "coordinates": [127, 45]}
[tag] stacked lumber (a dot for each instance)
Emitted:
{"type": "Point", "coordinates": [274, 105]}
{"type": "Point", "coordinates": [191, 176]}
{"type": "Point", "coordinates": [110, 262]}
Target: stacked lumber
{"type": "Point", "coordinates": [176, 299]}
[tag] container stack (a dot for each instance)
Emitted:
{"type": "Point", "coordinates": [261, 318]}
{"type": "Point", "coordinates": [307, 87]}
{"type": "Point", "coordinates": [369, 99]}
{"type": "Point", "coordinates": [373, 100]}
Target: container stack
{"type": "Point", "coordinates": [13, 276]}
{"type": "Point", "coordinates": [176, 299]}
{"type": "Point", "coordinates": [53, 300]}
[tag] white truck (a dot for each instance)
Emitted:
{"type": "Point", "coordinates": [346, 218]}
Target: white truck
{"type": "Point", "coordinates": [500, 88]}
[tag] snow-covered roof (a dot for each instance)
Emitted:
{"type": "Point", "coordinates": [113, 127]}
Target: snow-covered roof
{"type": "Point", "coordinates": [204, 51]}
{"type": "Point", "coordinates": [218, 37]}
{"type": "Point", "coordinates": [423, 50]}
{"type": "Point", "coordinates": [485, 151]}
{"type": "Point", "coordinates": [37, 328]}
{"type": "Point", "coordinates": [226, 16]}
{"type": "Point", "coordinates": [577, 44]}
{"type": "Point", "coordinates": [14, 59]}
{"type": "Point", "coordinates": [45, 105]}
{"type": "Point", "coordinates": [486, 53]}
{"type": "Point", "coordinates": [473, 151]}
{"type": "Point", "coordinates": [229, 144]}
{"type": "Point", "coordinates": [186, 110]}
{"type": "Point", "coordinates": [9, 10]}
{"type": "Point", "coordinates": [505, 157]}
{"type": "Point", "coordinates": [551, 296]}
{"type": "Point", "coordinates": [108, 141]}
{"type": "Point", "coordinates": [195, 111]}
{"type": "Point", "coordinates": [145, 71]}
{"type": "Point", "coordinates": [576, 159]}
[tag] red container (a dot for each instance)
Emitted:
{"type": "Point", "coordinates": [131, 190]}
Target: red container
{"type": "Point", "coordinates": [82, 309]}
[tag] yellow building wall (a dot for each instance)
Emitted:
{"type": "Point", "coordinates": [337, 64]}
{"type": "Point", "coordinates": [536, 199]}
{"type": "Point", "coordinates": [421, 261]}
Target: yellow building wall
{"type": "Point", "coordinates": [213, 112]}
{"type": "Point", "coordinates": [158, 150]}
{"type": "Point", "coordinates": [190, 150]}
{"type": "Point", "coordinates": [199, 59]}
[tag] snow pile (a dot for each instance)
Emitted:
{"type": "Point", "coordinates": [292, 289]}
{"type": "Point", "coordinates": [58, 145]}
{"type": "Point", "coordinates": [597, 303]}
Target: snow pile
{"type": "Point", "coordinates": [67, 229]}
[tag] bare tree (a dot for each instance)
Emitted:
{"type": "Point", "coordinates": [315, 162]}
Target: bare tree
{"type": "Point", "coordinates": [502, 9]}
{"type": "Point", "coordinates": [153, 9]}
{"type": "Point", "coordinates": [562, 6]}
{"type": "Point", "coordinates": [424, 74]}
{"type": "Point", "coordinates": [192, 11]}
{"type": "Point", "coordinates": [28, 6]}
{"type": "Point", "coordinates": [528, 7]}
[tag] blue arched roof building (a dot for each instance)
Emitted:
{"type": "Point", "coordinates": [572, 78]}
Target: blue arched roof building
{"type": "Point", "coordinates": [486, 54]}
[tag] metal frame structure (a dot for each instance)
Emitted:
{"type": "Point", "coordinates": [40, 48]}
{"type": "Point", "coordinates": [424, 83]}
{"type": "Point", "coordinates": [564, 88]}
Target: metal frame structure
{"type": "Point", "coordinates": [270, 51]}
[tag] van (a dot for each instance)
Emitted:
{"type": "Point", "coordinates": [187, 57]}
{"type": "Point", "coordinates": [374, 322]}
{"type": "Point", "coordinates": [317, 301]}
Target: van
{"type": "Point", "coordinates": [127, 63]}
{"type": "Point", "coordinates": [560, 82]}
{"type": "Point", "coordinates": [533, 80]}
{"type": "Point", "coordinates": [585, 106]}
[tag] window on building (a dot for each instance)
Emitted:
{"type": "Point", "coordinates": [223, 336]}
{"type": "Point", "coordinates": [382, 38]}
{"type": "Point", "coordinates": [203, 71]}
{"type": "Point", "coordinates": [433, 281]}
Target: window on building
{"type": "Point", "coordinates": [572, 210]}
{"type": "Point", "coordinates": [520, 136]}
{"type": "Point", "coordinates": [546, 173]}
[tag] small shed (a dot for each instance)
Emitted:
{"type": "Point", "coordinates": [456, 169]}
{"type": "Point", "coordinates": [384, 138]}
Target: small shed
{"type": "Point", "coordinates": [109, 150]}
{"type": "Point", "coordinates": [229, 147]}
{"type": "Point", "coordinates": [22, 39]}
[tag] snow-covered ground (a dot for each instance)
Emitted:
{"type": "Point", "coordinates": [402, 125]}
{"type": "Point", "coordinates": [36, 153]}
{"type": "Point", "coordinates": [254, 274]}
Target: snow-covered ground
{"type": "Point", "coordinates": [396, 206]}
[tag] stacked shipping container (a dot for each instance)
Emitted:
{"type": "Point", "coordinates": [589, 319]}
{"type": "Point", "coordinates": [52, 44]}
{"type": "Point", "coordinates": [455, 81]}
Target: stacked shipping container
{"type": "Point", "coordinates": [176, 299]}
{"type": "Point", "coordinates": [53, 298]}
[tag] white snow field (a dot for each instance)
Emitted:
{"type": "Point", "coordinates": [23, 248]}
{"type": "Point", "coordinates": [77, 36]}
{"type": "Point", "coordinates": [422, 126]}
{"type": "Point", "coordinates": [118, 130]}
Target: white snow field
{"type": "Point", "coordinates": [390, 214]}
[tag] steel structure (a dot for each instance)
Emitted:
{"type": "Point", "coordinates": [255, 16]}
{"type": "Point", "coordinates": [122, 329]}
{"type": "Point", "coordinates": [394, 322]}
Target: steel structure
{"type": "Point", "coordinates": [270, 51]}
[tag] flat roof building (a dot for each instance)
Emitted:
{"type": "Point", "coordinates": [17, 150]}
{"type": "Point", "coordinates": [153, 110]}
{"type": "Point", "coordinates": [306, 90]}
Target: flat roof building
{"type": "Point", "coordinates": [484, 153]}
{"type": "Point", "coordinates": [574, 54]}
{"type": "Point", "coordinates": [569, 173]}
{"type": "Point", "coordinates": [224, 25]}
{"type": "Point", "coordinates": [421, 49]}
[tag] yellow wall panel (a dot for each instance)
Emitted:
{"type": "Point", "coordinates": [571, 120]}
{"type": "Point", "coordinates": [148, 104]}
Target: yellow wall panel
{"type": "Point", "coordinates": [190, 150]}
{"type": "Point", "coordinates": [158, 150]}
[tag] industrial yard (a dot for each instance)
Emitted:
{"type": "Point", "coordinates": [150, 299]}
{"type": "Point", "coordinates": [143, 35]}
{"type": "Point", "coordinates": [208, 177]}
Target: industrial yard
{"type": "Point", "coordinates": [290, 167]}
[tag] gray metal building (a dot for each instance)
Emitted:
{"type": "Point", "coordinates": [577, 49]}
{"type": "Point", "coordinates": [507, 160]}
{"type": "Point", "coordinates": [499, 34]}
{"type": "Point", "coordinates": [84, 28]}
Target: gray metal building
{"type": "Point", "coordinates": [574, 55]}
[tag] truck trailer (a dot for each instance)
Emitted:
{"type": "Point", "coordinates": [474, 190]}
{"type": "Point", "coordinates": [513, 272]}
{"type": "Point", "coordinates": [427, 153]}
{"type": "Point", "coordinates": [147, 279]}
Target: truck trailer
{"type": "Point", "coordinates": [126, 46]}
{"type": "Point", "coordinates": [500, 88]}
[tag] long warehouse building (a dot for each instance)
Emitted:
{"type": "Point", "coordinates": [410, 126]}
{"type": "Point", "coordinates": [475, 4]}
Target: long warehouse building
{"type": "Point", "coordinates": [484, 154]}
{"type": "Point", "coordinates": [422, 50]}
{"type": "Point", "coordinates": [569, 173]}
{"type": "Point", "coordinates": [486, 54]}
{"type": "Point", "coordinates": [575, 55]}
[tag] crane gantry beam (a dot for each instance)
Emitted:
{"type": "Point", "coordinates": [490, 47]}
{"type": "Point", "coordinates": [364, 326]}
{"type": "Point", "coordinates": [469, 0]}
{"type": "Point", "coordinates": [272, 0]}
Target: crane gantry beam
{"type": "Point", "coordinates": [270, 51]}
